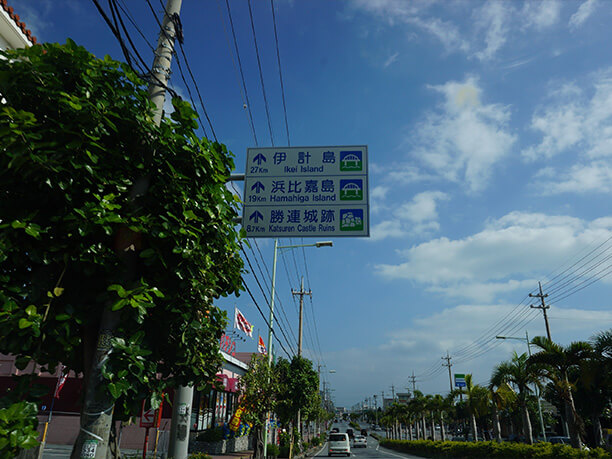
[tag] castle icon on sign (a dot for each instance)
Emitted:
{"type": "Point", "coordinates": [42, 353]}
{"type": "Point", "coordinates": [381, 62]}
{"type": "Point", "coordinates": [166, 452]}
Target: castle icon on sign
{"type": "Point", "coordinates": [351, 220]}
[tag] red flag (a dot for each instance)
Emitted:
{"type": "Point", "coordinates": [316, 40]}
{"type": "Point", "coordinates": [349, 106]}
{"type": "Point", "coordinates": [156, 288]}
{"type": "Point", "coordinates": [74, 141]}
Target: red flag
{"type": "Point", "coordinates": [261, 347]}
{"type": "Point", "coordinates": [61, 380]}
{"type": "Point", "coordinates": [241, 323]}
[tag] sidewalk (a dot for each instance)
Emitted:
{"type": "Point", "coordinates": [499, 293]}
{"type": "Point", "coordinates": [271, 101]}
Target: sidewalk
{"type": "Point", "coordinates": [236, 455]}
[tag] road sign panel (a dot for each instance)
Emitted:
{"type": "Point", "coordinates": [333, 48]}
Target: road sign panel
{"type": "Point", "coordinates": [460, 380]}
{"type": "Point", "coordinates": [147, 418]}
{"type": "Point", "coordinates": [306, 192]}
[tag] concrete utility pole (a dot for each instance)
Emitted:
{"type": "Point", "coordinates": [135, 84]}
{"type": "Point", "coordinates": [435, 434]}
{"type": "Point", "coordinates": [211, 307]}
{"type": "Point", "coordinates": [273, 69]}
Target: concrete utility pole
{"type": "Point", "coordinates": [392, 393]}
{"type": "Point", "coordinates": [413, 383]}
{"type": "Point", "coordinates": [98, 406]}
{"type": "Point", "coordinates": [301, 293]}
{"type": "Point", "coordinates": [449, 365]}
{"type": "Point", "coordinates": [543, 307]}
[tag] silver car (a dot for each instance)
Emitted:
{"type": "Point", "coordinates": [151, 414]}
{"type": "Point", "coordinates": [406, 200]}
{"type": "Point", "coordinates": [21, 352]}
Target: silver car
{"type": "Point", "coordinates": [360, 442]}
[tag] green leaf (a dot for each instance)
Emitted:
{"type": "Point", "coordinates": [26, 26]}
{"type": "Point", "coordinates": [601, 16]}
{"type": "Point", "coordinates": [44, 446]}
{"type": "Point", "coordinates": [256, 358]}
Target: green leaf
{"type": "Point", "coordinates": [32, 231]}
{"type": "Point", "coordinates": [62, 317]}
{"type": "Point", "coordinates": [24, 323]}
{"type": "Point", "coordinates": [31, 310]}
{"type": "Point", "coordinates": [119, 289]}
{"type": "Point", "coordinates": [119, 305]}
{"type": "Point", "coordinates": [57, 291]}
{"type": "Point", "coordinates": [147, 253]}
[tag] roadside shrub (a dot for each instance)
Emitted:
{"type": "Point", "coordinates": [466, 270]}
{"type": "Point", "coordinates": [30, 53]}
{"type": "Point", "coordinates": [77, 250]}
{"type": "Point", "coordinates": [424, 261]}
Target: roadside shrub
{"type": "Point", "coordinates": [283, 451]}
{"type": "Point", "coordinates": [199, 456]}
{"type": "Point", "coordinates": [273, 450]}
{"type": "Point", "coordinates": [488, 449]}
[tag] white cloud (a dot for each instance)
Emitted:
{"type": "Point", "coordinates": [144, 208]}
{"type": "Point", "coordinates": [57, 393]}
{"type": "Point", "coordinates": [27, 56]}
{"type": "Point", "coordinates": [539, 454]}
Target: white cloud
{"type": "Point", "coordinates": [464, 140]}
{"type": "Point", "coordinates": [422, 207]}
{"type": "Point", "coordinates": [576, 121]}
{"type": "Point", "coordinates": [491, 26]}
{"type": "Point", "coordinates": [541, 14]}
{"type": "Point", "coordinates": [416, 217]}
{"type": "Point", "coordinates": [580, 178]}
{"type": "Point", "coordinates": [406, 174]}
{"type": "Point", "coordinates": [585, 10]}
{"type": "Point", "coordinates": [493, 17]}
{"type": "Point", "coordinates": [507, 252]}
{"type": "Point", "coordinates": [467, 332]}
{"type": "Point", "coordinates": [391, 60]}
{"type": "Point", "coordinates": [377, 199]}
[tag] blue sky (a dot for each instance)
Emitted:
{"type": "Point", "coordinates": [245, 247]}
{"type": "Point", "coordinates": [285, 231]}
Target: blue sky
{"type": "Point", "coordinates": [489, 128]}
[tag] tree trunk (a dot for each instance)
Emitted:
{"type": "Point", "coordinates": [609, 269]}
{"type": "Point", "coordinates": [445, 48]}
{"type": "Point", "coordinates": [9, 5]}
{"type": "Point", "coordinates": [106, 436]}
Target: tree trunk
{"type": "Point", "coordinates": [433, 427]}
{"type": "Point", "coordinates": [424, 424]}
{"type": "Point", "coordinates": [410, 431]}
{"type": "Point", "coordinates": [442, 431]}
{"type": "Point", "coordinates": [473, 427]}
{"type": "Point", "coordinates": [258, 446]}
{"type": "Point", "coordinates": [496, 425]}
{"type": "Point", "coordinates": [597, 431]}
{"type": "Point", "coordinates": [574, 426]}
{"type": "Point", "coordinates": [527, 423]}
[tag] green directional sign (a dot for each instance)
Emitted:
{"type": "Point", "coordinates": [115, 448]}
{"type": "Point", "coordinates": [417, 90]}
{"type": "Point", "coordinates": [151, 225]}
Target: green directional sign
{"type": "Point", "coordinates": [460, 380]}
{"type": "Point", "coordinates": [306, 192]}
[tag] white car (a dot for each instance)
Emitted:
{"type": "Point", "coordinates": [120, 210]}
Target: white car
{"type": "Point", "coordinates": [360, 442]}
{"type": "Point", "coordinates": [338, 443]}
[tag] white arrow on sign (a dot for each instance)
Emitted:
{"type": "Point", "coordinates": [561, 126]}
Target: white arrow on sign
{"type": "Point", "coordinates": [148, 418]}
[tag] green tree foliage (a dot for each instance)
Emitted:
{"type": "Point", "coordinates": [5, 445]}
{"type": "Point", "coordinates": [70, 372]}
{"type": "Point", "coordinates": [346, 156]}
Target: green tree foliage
{"type": "Point", "coordinates": [517, 372]}
{"type": "Point", "coordinates": [102, 209]}
{"type": "Point", "coordinates": [556, 362]}
{"type": "Point", "coordinates": [259, 392]}
{"type": "Point", "coordinates": [298, 389]}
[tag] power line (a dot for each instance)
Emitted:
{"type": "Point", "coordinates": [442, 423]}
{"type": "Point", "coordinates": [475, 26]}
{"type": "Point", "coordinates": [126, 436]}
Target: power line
{"type": "Point", "coordinates": [280, 72]}
{"type": "Point", "coordinates": [263, 88]}
{"type": "Point", "coordinates": [243, 91]}
{"type": "Point", "coordinates": [263, 293]}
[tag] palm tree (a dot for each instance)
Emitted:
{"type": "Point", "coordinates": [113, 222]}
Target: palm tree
{"type": "Point", "coordinates": [439, 407]}
{"type": "Point", "coordinates": [477, 402]}
{"type": "Point", "coordinates": [556, 361]}
{"type": "Point", "coordinates": [518, 373]}
{"type": "Point", "coordinates": [501, 395]}
{"type": "Point", "coordinates": [594, 386]}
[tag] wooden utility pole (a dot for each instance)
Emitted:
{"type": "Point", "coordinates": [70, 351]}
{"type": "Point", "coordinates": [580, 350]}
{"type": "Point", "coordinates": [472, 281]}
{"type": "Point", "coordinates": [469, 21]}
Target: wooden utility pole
{"type": "Point", "coordinates": [301, 293]}
{"type": "Point", "coordinates": [98, 405]}
{"type": "Point", "coordinates": [543, 307]}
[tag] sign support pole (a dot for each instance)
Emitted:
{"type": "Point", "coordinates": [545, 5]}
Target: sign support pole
{"type": "Point", "coordinates": [146, 444]}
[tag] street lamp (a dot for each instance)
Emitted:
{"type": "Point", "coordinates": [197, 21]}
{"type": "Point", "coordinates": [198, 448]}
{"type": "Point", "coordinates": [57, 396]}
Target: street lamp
{"type": "Point", "coordinates": [526, 339]}
{"type": "Point", "coordinates": [272, 293]}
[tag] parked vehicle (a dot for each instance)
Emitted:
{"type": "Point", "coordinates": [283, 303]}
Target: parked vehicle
{"type": "Point", "coordinates": [559, 440]}
{"type": "Point", "coordinates": [360, 442]}
{"type": "Point", "coordinates": [338, 443]}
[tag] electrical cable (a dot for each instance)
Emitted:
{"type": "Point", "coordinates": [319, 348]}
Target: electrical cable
{"type": "Point", "coordinates": [264, 295]}
{"type": "Point", "coordinates": [280, 73]}
{"type": "Point", "coordinates": [265, 320]}
{"type": "Point", "coordinates": [243, 91]}
{"type": "Point", "coordinates": [263, 88]}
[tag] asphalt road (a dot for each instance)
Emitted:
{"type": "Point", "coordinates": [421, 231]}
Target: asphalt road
{"type": "Point", "coordinates": [373, 450]}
